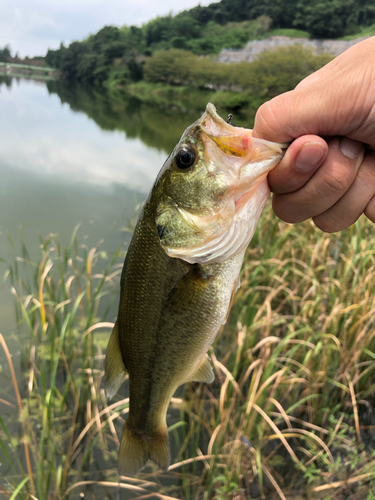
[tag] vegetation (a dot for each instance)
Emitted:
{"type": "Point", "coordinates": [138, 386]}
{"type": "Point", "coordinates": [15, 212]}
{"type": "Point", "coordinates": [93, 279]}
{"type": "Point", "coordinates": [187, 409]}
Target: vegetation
{"type": "Point", "coordinates": [291, 409]}
{"type": "Point", "coordinates": [120, 54]}
{"type": "Point", "coordinates": [271, 73]}
{"type": "Point", "coordinates": [367, 31]}
{"type": "Point", "coordinates": [157, 109]}
{"type": "Point", "coordinates": [170, 76]}
{"type": "Point", "coordinates": [5, 54]}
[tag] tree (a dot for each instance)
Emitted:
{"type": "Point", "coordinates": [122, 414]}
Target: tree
{"type": "Point", "coordinates": [324, 19]}
{"type": "Point", "coordinates": [5, 54]}
{"type": "Point", "coordinates": [106, 35]}
{"type": "Point", "coordinates": [172, 66]}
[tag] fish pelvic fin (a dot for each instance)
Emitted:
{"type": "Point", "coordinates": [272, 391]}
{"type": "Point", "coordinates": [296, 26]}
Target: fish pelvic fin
{"type": "Point", "coordinates": [204, 372]}
{"type": "Point", "coordinates": [115, 370]}
{"type": "Point", "coordinates": [136, 450]}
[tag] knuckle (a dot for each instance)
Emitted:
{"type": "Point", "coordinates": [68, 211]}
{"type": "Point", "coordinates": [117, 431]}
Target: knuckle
{"type": "Point", "coordinates": [285, 210]}
{"type": "Point", "coordinates": [329, 222]}
{"type": "Point", "coordinates": [267, 119]}
{"type": "Point", "coordinates": [327, 226]}
{"type": "Point", "coordinates": [338, 181]}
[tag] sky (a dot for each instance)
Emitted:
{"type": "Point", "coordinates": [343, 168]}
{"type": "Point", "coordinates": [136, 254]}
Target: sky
{"type": "Point", "coordinates": [31, 27]}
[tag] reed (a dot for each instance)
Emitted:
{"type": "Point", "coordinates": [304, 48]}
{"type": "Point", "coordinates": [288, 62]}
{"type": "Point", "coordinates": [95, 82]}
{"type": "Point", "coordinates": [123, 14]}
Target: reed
{"type": "Point", "coordinates": [290, 414]}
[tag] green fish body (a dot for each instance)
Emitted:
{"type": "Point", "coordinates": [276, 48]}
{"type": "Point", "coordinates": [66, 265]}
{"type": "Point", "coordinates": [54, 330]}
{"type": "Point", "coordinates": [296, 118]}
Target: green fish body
{"type": "Point", "coordinates": [180, 275]}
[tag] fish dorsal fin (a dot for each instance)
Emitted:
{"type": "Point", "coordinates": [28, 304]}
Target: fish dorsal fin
{"type": "Point", "coordinates": [115, 370]}
{"type": "Point", "coordinates": [204, 372]}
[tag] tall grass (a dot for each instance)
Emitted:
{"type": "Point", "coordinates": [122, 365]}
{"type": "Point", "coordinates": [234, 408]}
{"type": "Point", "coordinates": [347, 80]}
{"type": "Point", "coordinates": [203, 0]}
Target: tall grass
{"type": "Point", "coordinates": [290, 414]}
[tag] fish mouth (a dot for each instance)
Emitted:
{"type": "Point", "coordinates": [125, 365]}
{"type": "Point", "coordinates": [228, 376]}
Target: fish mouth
{"type": "Point", "coordinates": [246, 159]}
{"type": "Point", "coordinates": [236, 141]}
{"type": "Point", "coordinates": [242, 162]}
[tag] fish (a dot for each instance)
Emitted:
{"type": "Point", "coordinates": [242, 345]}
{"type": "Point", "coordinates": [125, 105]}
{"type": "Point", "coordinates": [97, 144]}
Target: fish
{"type": "Point", "coordinates": [180, 275]}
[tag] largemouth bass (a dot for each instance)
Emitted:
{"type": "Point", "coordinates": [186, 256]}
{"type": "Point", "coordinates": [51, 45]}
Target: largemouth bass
{"type": "Point", "coordinates": [181, 272]}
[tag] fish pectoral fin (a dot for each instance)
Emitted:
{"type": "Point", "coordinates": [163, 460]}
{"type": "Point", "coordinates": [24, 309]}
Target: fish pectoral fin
{"type": "Point", "coordinates": [204, 372]}
{"type": "Point", "coordinates": [115, 370]}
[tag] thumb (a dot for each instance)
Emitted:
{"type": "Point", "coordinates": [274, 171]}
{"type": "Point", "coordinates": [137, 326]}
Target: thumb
{"type": "Point", "coordinates": [301, 111]}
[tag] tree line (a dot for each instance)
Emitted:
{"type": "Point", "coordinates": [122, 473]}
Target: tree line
{"type": "Point", "coordinates": [121, 55]}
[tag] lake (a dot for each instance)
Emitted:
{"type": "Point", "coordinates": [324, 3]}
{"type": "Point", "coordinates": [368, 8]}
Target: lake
{"type": "Point", "coordinates": [69, 157]}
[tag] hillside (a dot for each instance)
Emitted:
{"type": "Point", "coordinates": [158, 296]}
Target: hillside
{"type": "Point", "coordinates": [203, 31]}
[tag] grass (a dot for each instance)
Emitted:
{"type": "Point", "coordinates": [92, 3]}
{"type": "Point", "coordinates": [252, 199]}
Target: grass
{"type": "Point", "coordinates": [293, 33]}
{"type": "Point", "coordinates": [364, 31]}
{"type": "Point", "coordinates": [290, 414]}
{"type": "Point", "coordinates": [160, 94]}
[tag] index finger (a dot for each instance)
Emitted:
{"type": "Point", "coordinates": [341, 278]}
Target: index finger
{"type": "Point", "coordinates": [301, 160]}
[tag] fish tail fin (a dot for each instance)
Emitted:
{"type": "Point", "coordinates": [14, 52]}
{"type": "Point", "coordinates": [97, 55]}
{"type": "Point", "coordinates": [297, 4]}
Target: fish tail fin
{"type": "Point", "coordinates": [135, 451]}
{"type": "Point", "coordinates": [115, 369]}
{"type": "Point", "coordinates": [158, 449]}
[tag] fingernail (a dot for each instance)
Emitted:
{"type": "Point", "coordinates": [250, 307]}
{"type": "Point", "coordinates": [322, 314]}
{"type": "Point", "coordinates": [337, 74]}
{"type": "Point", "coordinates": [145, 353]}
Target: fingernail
{"type": "Point", "coordinates": [350, 148]}
{"type": "Point", "coordinates": [309, 156]}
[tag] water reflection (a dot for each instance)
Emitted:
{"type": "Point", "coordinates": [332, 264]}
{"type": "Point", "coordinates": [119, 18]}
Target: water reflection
{"type": "Point", "coordinates": [68, 157]}
{"type": "Point", "coordinates": [158, 128]}
{"type": "Point", "coordinates": [39, 135]}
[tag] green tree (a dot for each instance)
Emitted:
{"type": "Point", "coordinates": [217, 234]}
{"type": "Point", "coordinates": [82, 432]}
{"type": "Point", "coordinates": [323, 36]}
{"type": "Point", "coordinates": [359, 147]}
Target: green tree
{"type": "Point", "coordinates": [279, 70]}
{"type": "Point", "coordinates": [324, 19]}
{"type": "Point", "coordinates": [173, 66]}
{"type": "Point", "coordinates": [73, 59]}
{"type": "Point", "coordinates": [53, 57]}
{"type": "Point", "coordinates": [5, 54]}
{"type": "Point", "coordinates": [106, 35]}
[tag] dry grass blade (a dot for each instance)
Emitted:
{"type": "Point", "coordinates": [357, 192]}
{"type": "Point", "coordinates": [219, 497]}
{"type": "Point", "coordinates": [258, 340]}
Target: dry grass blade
{"type": "Point", "coordinates": [107, 484]}
{"type": "Point", "coordinates": [104, 324]}
{"type": "Point", "coordinates": [19, 400]}
{"type": "Point", "coordinates": [43, 275]}
{"type": "Point", "coordinates": [274, 482]}
{"type": "Point", "coordinates": [279, 435]}
{"type": "Point", "coordinates": [226, 372]}
{"type": "Point", "coordinates": [92, 422]}
{"type": "Point", "coordinates": [195, 459]}
{"type": "Point", "coordinates": [355, 411]}
{"type": "Point", "coordinates": [156, 495]}
{"type": "Point", "coordinates": [5, 491]}
{"type": "Point", "coordinates": [6, 403]}
{"type": "Point", "coordinates": [338, 484]}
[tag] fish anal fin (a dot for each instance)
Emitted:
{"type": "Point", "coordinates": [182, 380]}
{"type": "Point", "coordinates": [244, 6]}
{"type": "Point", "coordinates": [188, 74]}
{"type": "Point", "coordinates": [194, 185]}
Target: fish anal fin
{"type": "Point", "coordinates": [136, 450]}
{"type": "Point", "coordinates": [204, 372]}
{"type": "Point", "coordinates": [115, 370]}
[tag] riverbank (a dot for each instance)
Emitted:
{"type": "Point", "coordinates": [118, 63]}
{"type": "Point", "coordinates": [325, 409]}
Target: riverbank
{"type": "Point", "coordinates": [177, 79]}
{"type": "Point", "coordinates": [186, 98]}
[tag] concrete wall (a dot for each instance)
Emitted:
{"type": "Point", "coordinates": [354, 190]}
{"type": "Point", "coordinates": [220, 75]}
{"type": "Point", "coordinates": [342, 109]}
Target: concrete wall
{"type": "Point", "coordinates": [255, 47]}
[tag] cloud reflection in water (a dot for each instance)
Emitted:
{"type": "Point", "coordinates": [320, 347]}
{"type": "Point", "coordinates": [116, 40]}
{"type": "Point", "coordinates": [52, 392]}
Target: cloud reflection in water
{"type": "Point", "coordinates": [45, 137]}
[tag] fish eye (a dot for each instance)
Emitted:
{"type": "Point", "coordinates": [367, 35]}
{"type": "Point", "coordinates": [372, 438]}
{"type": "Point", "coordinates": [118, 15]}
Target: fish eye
{"type": "Point", "coordinates": [185, 158]}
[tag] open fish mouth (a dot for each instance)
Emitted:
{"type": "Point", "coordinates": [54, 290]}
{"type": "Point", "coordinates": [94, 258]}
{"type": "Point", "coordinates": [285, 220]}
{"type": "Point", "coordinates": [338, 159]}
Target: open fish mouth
{"type": "Point", "coordinates": [242, 162]}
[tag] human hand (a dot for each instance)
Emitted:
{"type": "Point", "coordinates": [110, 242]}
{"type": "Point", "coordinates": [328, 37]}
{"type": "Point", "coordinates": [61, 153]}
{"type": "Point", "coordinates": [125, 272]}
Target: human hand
{"type": "Point", "coordinates": [331, 180]}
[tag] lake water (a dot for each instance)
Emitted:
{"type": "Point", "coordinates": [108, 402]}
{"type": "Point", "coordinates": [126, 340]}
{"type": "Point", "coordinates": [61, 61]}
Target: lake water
{"type": "Point", "coordinates": [69, 156]}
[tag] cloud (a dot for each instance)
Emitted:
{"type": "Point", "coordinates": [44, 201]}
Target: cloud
{"type": "Point", "coordinates": [33, 26]}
